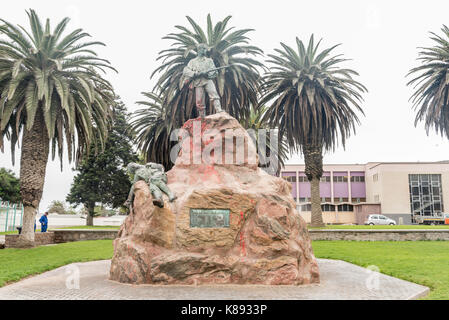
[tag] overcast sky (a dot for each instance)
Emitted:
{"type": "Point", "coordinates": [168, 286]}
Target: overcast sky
{"type": "Point", "coordinates": [380, 36]}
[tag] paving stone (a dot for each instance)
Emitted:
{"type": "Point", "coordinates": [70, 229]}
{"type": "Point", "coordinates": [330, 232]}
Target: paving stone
{"type": "Point", "coordinates": [339, 280]}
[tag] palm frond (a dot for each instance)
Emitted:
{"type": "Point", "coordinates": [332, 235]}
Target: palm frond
{"type": "Point", "coordinates": [431, 83]}
{"type": "Point", "coordinates": [238, 85]}
{"type": "Point", "coordinates": [44, 71]}
{"type": "Point", "coordinates": [312, 100]}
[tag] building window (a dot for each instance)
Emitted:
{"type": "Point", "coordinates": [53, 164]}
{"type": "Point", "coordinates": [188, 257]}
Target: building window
{"type": "Point", "coordinates": [303, 199]}
{"type": "Point", "coordinates": [303, 179]}
{"type": "Point", "coordinates": [325, 179]}
{"type": "Point", "coordinates": [345, 207]}
{"type": "Point", "coordinates": [341, 199]}
{"type": "Point", "coordinates": [358, 200]}
{"type": "Point", "coordinates": [375, 177]}
{"type": "Point", "coordinates": [340, 178]}
{"type": "Point", "coordinates": [357, 179]}
{"type": "Point", "coordinates": [328, 207]}
{"type": "Point", "coordinates": [306, 207]}
{"type": "Point", "coordinates": [376, 198]}
{"type": "Point", "coordinates": [426, 195]}
{"type": "Point", "coordinates": [290, 178]}
{"type": "Point", "coordinates": [325, 199]}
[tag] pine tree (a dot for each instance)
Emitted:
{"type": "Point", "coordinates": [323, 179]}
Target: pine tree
{"type": "Point", "coordinates": [9, 186]}
{"type": "Point", "coordinates": [102, 178]}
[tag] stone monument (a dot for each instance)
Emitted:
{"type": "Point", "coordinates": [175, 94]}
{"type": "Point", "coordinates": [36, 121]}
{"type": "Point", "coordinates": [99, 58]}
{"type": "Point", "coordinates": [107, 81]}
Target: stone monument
{"type": "Point", "coordinates": [231, 222]}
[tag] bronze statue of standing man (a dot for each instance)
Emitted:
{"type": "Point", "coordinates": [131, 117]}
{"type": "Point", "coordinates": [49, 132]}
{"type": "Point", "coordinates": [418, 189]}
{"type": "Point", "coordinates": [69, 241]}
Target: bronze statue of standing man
{"type": "Point", "coordinates": [200, 71]}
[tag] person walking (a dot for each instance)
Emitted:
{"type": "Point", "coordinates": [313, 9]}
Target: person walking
{"type": "Point", "coordinates": [44, 222]}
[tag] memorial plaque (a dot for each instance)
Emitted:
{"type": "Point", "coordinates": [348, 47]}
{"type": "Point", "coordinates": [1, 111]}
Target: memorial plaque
{"type": "Point", "coordinates": [209, 218]}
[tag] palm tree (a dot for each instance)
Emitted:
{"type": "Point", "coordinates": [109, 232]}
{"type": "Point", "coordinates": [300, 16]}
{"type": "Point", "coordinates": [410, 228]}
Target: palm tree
{"type": "Point", "coordinates": [313, 105]}
{"type": "Point", "coordinates": [153, 130]}
{"type": "Point", "coordinates": [50, 89]}
{"type": "Point", "coordinates": [432, 85]}
{"type": "Point", "coordinates": [237, 85]}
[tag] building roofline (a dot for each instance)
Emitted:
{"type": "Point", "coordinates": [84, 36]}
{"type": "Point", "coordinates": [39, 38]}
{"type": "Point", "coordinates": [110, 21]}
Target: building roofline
{"type": "Point", "coordinates": [406, 162]}
{"type": "Point", "coordinates": [374, 163]}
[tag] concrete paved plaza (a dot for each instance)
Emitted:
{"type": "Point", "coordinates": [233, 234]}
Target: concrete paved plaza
{"type": "Point", "coordinates": [339, 280]}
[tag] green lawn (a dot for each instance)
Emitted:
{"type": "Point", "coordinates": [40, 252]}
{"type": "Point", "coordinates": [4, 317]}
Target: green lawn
{"type": "Point", "coordinates": [74, 227]}
{"type": "Point", "coordinates": [90, 227]}
{"type": "Point", "coordinates": [16, 232]}
{"type": "Point", "coordinates": [383, 227]}
{"type": "Point", "coordinates": [8, 232]}
{"type": "Point", "coordinates": [422, 262]}
{"type": "Point", "coordinates": [16, 264]}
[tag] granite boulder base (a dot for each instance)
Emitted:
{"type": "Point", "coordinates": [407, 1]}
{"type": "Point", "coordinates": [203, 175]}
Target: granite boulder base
{"type": "Point", "coordinates": [258, 238]}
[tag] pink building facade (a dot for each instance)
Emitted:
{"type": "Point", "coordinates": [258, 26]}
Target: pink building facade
{"type": "Point", "coordinates": [350, 192]}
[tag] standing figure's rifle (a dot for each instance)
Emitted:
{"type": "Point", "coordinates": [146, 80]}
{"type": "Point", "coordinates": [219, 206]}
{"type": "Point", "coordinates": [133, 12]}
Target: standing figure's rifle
{"type": "Point", "coordinates": [210, 70]}
{"type": "Point", "coordinates": [184, 81]}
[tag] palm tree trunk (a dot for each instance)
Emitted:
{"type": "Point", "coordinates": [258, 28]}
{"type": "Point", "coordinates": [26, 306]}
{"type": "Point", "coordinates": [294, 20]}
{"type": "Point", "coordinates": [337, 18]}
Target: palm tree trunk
{"type": "Point", "coordinates": [315, 199]}
{"type": "Point", "coordinates": [313, 159]}
{"type": "Point", "coordinates": [33, 163]}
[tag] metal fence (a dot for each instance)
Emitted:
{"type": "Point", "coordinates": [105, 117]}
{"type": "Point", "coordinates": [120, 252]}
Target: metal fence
{"type": "Point", "coordinates": [11, 215]}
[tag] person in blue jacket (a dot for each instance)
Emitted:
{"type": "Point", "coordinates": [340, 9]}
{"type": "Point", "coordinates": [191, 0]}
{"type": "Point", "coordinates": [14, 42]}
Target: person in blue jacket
{"type": "Point", "coordinates": [44, 222]}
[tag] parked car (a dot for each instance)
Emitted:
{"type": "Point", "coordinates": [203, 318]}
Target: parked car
{"type": "Point", "coordinates": [378, 219]}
